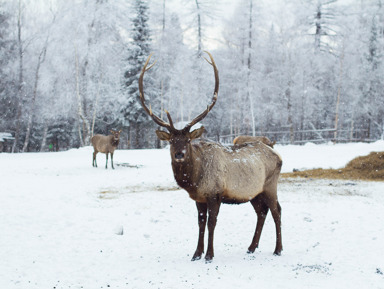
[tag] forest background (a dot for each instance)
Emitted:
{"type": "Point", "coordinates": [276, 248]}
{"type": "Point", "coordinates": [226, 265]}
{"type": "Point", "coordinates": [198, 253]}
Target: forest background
{"type": "Point", "coordinates": [295, 71]}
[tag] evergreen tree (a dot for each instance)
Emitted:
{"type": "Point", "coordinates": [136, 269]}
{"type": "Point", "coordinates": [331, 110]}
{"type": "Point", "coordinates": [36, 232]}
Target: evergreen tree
{"type": "Point", "coordinates": [138, 51]}
{"type": "Point", "coordinates": [7, 89]}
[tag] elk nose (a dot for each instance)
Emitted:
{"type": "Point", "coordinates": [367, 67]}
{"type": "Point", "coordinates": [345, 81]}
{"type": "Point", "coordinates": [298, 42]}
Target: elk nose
{"type": "Point", "coordinates": [179, 155]}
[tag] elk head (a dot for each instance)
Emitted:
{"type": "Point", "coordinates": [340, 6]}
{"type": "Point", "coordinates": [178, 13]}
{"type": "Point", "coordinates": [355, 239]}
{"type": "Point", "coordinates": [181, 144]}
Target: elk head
{"type": "Point", "coordinates": [115, 134]}
{"type": "Point", "coordinates": [179, 139]}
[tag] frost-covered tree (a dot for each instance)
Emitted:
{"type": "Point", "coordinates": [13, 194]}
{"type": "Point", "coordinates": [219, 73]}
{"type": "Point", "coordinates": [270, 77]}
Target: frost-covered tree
{"type": "Point", "coordinates": [371, 85]}
{"type": "Point", "coordinates": [86, 54]}
{"type": "Point", "coordinates": [286, 71]}
{"type": "Point", "coordinates": [245, 55]}
{"type": "Point", "coordinates": [8, 102]}
{"type": "Point", "coordinates": [137, 52]}
{"type": "Point", "coordinates": [172, 55]}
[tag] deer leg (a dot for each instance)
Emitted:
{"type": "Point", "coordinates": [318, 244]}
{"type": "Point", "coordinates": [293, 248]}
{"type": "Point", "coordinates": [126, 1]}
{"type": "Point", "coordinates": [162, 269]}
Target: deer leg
{"type": "Point", "coordinates": [112, 161]}
{"type": "Point", "coordinates": [213, 210]}
{"type": "Point", "coordinates": [106, 163]}
{"type": "Point", "coordinates": [202, 220]}
{"type": "Point", "coordinates": [94, 163]}
{"type": "Point", "coordinates": [275, 208]}
{"type": "Point", "coordinates": [261, 209]}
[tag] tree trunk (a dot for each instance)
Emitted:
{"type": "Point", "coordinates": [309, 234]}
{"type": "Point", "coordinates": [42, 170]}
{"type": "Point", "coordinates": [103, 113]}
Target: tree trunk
{"type": "Point", "coordinates": [84, 140]}
{"type": "Point", "coordinates": [249, 70]}
{"type": "Point", "coordinates": [40, 60]}
{"type": "Point", "coordinates": [199, 37]}
{"type": "Point", "coordinates": [318, 28]}
{"type": "Point", "coordinates": [95, 105]}
{"type": "Point", "coordinates": [352, 130]}
{"type": "Point", "coordinates": [44, 140]}
{"type": "Point", "coordinates": [20, 92]}
{"type": "Point", "coordinates": [289, 108]}
{"type": "Point", "coordinates": [80, 135]}
{"type": "Point", "coordinates": [338, 95]}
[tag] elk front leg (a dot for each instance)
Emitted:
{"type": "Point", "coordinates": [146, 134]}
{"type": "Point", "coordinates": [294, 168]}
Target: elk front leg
{"type": "Point", "coordinates": [261, 209]}
{"type": "Point", "coordinates": [106, 163]}
{"type": "Point", "coordinates": [213, 210]}
{"type": "Point", "coordinates": [202, 220]}
{"type": "Point", "coordinates": [94, 163]}
{"type": "Point", "coordinates": [112, 161]}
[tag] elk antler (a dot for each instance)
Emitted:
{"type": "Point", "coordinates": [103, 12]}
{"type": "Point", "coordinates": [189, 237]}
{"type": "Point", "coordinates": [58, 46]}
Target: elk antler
{"type": "Point", "coordinates": [155, 118]}
{"type": "Point", "coordinates": [169, 125]}
{"type": "Point", "coordinates": [214, 98]}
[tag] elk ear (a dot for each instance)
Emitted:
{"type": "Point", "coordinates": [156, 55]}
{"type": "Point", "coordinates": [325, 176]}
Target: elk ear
{"type": "Point", "coordinates": [197, 133]}
{"type": "Point", "coordinates": [162, 135]}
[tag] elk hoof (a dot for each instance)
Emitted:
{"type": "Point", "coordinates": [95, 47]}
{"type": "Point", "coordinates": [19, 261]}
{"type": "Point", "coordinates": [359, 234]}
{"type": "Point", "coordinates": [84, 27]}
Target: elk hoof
{"type": "Point", "coordinates": [251, 250]}
{"type": "Point", "coordinates": [277, 253]}
{"type": "Point", "coordinates": [195, 258]}
{"type": "Point", "coordinates": [208, 259]}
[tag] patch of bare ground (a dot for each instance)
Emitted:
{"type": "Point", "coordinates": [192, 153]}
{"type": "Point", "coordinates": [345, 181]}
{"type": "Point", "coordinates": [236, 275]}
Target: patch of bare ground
{"type": "Point", "coordinates": [370, 167]}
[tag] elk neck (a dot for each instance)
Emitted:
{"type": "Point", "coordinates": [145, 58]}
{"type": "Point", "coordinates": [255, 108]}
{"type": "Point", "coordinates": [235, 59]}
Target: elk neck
{"type": "Point", "coordinates": [114, 142]}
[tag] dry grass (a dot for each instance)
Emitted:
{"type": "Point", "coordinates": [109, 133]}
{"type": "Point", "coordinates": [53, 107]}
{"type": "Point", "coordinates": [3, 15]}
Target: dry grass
{"type": "Point", "coordinates": [370, 167]}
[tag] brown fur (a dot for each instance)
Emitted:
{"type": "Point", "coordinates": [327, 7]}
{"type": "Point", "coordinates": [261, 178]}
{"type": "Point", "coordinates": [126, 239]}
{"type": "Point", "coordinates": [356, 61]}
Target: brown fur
{"type": "Point", "coordinates": [213, 174]}
{"type": "Point", "coordinates": [247, 139]}
{"type": "Point", "coordinates": [106, 145]}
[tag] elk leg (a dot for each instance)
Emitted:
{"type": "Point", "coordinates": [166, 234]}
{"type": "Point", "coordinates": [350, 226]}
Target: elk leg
{"type": "Point", "coordinates": [106, 163]}
{"type": "Point", "coordinates": [202, 220]}
{"type": "Point", "coordinates": [275, 208]}
{"type": "Point", "coordinates": [213, 210]}
{"type": "Point", "coordinates": [276, 213]}
{"type": "Point", "coordinates": [112, 161]}
{"type": "Point", "coordinates": [261, 209]}
{"type": "Point", "coordinates": [94, 163]}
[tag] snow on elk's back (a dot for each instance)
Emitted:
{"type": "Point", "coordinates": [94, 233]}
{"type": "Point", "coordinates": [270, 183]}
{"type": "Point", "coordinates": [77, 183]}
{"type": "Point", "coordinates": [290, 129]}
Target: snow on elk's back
{"type": "Point", "coordinates": [58, 233]}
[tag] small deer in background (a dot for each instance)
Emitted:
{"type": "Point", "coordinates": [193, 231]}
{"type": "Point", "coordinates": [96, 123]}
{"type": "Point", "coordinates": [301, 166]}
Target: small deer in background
{"type": "Point", "coordinates": [213, 174]}
{"type": "Point", "coordinates": [248, 139]}
{"type": "Point", "coordinates": [105, 145]}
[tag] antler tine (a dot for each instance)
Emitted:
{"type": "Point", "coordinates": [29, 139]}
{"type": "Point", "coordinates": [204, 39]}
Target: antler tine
{"type": "Point", "coordinates": [216, 72]}
{"type": "Point", "coordinates": [169, 118]}
{"type": "Point", "coordinates": [155, 118]}
{"type": "Point", "coordinates": [214, 98]}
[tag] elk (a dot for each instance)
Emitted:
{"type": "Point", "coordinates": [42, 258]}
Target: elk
{"type": "Point", "coordinates": [213, 174]}
{"type": "Point", "coordinates": [248, 139]}
{"type": "Point", "coordinates": [106, 145]}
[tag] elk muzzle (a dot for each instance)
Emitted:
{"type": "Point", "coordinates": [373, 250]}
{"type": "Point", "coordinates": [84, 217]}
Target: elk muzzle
{"type": "Point", "coordinates": [179, 156]}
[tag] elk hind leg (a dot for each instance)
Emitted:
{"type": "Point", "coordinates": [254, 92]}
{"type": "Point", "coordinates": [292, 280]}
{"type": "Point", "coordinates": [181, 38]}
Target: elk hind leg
{"type": "Point", "coordinates": [276, 213]}
{"type": "Point", "coordinates": [213, 210]}
{"type": "Point", "coordinates": [275, 208]}
{"type": "Point", "coordinates": [261, 209]}
{"type": "Point", "coordinates": [202, 221]}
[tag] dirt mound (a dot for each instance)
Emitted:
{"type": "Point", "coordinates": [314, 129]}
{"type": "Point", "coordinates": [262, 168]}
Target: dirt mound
{"type": "Point", "coordinates": [370, 167]}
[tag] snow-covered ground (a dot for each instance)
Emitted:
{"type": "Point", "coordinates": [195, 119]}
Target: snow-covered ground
{"type": "Point", "coordinates": [65, 224]}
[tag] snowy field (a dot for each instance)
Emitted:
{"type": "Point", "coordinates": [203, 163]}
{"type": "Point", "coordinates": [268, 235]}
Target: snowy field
{"type": "Point", "coordinates": [65, 224]}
